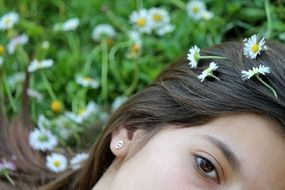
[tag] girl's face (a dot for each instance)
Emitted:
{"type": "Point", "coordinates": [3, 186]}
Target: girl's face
{"type": "Point", "coordinates": [240, 152]}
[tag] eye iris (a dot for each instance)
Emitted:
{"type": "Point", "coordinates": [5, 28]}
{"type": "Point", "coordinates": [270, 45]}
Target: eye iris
{"type": "Point", "coordinates": [206, 166]}
{"type": "Point", "coordinates": [207, 169]}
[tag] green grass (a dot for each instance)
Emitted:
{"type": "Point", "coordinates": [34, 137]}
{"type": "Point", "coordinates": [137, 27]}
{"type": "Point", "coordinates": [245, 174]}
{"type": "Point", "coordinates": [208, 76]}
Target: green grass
{"type": "Point", "coordinates": [74, 52]}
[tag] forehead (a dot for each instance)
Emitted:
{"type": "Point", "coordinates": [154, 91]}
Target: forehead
{"type": "Point", "coordinates": [260, 150]}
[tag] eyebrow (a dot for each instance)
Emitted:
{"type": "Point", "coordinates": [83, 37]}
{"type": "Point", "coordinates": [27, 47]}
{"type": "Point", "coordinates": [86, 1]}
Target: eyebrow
{"type": "Point", "coordinates": [227, 152]}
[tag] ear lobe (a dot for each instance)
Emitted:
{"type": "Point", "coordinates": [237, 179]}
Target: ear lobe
{"type": "Point", "coordinates": [122, 139]}
{"type": "Point", "coordinates": [119, 142]}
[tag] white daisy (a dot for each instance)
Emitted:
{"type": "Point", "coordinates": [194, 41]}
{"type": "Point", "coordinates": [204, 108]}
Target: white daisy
{"type": "Point", "coordinates": [136, 44]}
{"type": "Point", "coordinates": [36, 65]}
{"type": "Point", "coordinates": [43, 122]}
{"type": "Point", "coordinates": [45, 44]}
{"type": "Point", "coordinates": [209, 72]}
{"type": "Point", "coordinates": [159, 17]}
{"type": "Point", "coordinates": [70, 24]}
{"type": "Point", "coordinates": [142, 21]}
{"type": "Point", "coordinates": [18, 40]}
{"type": "Point", "coordinates": [5, 170]}
{"type": "Point", "coordinates": [253, 47]}
{"type": "Point", "coordinates": [118, 102]}
{"type": "Point", "coordinates": [206, 15]}
{"type": "Point", "coordinates": [77, 160]}
{"type": "Point", "coordinates": [15, 79]}
{"type": "Point", "coordinates": [87, 82]}
{"type": "Point", "coordinates": [282, 36]}
{"type": "Point", "coordinates": [195, 9]}
{"type": "Point", "coordinates": [56, 162]}
{"type": "Point", "coordinates": [193, 56]}
{"type": "Point", "coordinates": [255, 71]}
{"type": "Point", "coordinates": [64, 127]}
{"type": "Point", "coordinates": [35, 94]}
{"type": "Point", "coordinates": [8, 20]}
{"type": "Point", "coordinates": [57, 27]}
{"type": "Point", "coordinates": [102, 31]}
{"type": "Point", "coordinates": [165, 29]}
{"type": "Point", "coordinates": [7, 165]}
{"type": "Point", "coordinates": [91, 107]}
{"type": "Point", "coordinates": [135, 36]}
{"type": "Point", "coordinates": [1, 60]}
{"type": "Point", "coordinates": [83, 114]}
{"type": "Point", "coordinates": [134, 50]}
{"type": "Point", "coordinates": [42, 139]}
{"type": "Point", "coordinates": [103, 116]}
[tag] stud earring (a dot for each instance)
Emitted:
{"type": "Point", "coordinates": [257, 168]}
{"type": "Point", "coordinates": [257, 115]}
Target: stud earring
{"type": "Point", "coordinates": [119, 144]}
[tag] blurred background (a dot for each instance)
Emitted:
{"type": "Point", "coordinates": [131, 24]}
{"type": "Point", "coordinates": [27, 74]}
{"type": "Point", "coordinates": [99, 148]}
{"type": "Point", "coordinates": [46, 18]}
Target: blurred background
{"type": "Point", "coordinates": [82, 59]}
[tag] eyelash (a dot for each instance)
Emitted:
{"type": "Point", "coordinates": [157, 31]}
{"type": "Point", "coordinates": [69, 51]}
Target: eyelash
{"type": "Point", "coordinates": [198, 159]}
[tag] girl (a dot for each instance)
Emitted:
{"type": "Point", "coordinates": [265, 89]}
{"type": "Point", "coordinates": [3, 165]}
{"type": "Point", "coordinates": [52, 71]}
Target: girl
{"type": "Point", "coordinates": [219, 124]}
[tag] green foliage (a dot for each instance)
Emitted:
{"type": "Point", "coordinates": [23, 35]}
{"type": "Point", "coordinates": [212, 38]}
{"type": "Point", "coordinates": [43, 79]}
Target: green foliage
{"type": "Point", "coordinates": [119, 69]}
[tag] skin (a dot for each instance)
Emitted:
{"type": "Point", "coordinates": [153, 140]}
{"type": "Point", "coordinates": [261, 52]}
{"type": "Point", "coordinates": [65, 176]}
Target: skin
{"type": "Point", "coordinates": [169, 160]}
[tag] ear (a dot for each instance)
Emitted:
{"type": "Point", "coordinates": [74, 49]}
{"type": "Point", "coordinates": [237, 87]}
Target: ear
{"type": "Point", "coordinates": [122, 139]}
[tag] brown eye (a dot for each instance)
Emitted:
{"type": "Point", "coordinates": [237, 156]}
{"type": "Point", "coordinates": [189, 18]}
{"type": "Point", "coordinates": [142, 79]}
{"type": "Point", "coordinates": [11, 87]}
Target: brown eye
{"type": "Point", "coordinates": [206, 168]}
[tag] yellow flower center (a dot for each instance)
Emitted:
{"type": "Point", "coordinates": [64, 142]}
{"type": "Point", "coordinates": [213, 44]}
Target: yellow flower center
{"type": "Point", "coordinates": [38, 65]}
{"type": "Point", "coordinates": [56, 163]}
{"type": "Point", "coordinates": [157, 17]}
{"type": "Point", "coordinates": [208, 70]}
{"type": "Point", "coordinates": [56, 106]}
{"type": "Point", "coordinates": [43, 138]}
{"type": "Point", "coordinates": [135, 48]}
{"type": "Point", "coordinates": [88, 79]}
{"type": "Point", "coordinates": [7, 21]}
{"type": "Point", "coordinates": [140, 22]}
{"type": "Point", "coordinates": [255, 48]}
{"type": "Point", "coordinates": [81, 111]}
{"type": "Point", "coordinates": [109, 41]}
{"type": "Point", "coordinates": [2, 49]}
{"type": "Point", "coordinates": [196, 56]}
{"type": "Point", "coordinates": [195, 9]}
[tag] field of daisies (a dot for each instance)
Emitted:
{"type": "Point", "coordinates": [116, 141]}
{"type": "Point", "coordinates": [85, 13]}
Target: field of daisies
{"type": "Point", "coordinates": [83, 59]}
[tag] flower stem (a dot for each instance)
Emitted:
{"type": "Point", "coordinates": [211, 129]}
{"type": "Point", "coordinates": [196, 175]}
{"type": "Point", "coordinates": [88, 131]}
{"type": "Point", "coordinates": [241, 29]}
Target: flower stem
{"type": "Point", "coordinates": [6, 174]}
{"type": "Point", "coordinates": [179, 3]}
{"type": "Point", "coordinates": [22, 57]}
{"type": "Point", "coordinates": [79, 100]}
{"type": "Point", "coordinates": [2, 108]}
{"type": "Point", "coordinates": [116, 21]}
{"type": "Point", "coordinates": [82, 97]}
{"type": "Point", "coordinates": [90, 57]}
{"type": "Point", "coordinates": [215, 77]}
{"type": "Point", "coordinates": [48, 86]}
{"type": "Point", "coordinates": [77, 138]}
{"type": "Point", "coordinates": [104, 70]}
{"type": "Point", "coordinates": [269, 19]}
{"type": "Point", "coordinates": [113, 65]}
{"type": "Point", "coordinates": [267, 85]}
{"type": "Point", "coordinates": [9, 93]}
{"type": "Point", "coordinates": [73, 43]}
{"type": "Point", "coordinates": [33, 103]}
{"type": "Point", "coordinates": [135, 80]}
{"type": "Point", "coordinates": [212, 57]}
{"type": "Point", "coordinates": [139, 4]}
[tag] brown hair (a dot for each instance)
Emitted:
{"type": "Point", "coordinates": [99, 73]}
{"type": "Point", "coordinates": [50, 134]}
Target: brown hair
{"type": "Point", "coordinates": [178, 97]}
